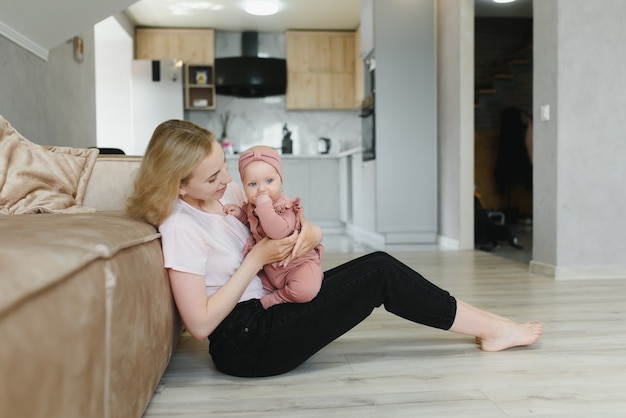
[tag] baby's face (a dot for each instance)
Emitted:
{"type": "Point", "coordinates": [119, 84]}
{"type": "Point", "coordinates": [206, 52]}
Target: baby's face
{"type": "Point", "coordinates": [260, 177]}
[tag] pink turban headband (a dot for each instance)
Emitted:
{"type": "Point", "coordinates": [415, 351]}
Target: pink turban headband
{"type": "Point", "coordinates": [265, 154]}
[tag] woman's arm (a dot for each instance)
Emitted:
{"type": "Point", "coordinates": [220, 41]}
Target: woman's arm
{"type": "Point", "coordinates": [201, 313]}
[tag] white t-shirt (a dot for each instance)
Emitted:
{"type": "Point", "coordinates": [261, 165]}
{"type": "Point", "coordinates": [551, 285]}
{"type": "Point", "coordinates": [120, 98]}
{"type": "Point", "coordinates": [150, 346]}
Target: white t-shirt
{"type": "Point", "coordinates": [208, 245]}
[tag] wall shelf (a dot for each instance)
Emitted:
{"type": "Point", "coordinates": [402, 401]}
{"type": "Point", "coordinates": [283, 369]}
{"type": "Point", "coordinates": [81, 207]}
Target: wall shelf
{"type": "Point", "coordinates": [199, 87]}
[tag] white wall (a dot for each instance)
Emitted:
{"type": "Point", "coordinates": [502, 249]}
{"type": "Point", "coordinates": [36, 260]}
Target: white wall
{"type": "Point", "coordinates": [367, 27]}
{"type": "Point", "coordinates": [363, 174]}
{"type": "Point", "coordinates": [580, 153]}
{"type": "Point", "coordinates": [114, 53]}
{"type": "Point", "coordinates": [455, 115]}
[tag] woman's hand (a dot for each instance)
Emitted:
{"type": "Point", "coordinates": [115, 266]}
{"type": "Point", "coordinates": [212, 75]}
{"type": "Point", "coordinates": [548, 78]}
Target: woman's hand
{"type": "Point", "coordinates": [310, 236]}
{"type": "Point", "coordinates": [268, 251]}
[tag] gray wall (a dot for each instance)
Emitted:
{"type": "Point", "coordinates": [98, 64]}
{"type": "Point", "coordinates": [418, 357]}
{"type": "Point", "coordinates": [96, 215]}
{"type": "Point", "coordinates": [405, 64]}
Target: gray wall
{"type": "Point", "coordinates": [455, 115]}
{"type": "Point", "coordinates": [40, 26]}
{"type": "Point", "coordinates": [49, 102]}
{"type": "Point", "coordinates": [406, 131]}
{"type": "Point", "coordinates": [363, 174]}
{"type": "Point", "coordinates": [580, 153]}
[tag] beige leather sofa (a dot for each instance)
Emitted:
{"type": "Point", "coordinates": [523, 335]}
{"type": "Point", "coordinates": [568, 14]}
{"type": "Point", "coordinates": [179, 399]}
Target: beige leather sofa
{"type": "Point", "coordinates": [87, 320]}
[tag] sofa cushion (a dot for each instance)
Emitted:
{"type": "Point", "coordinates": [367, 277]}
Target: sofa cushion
{"type": "Point", "coordinates": [86, 314]}
{"type": "Point", "coordinates": [111, 182]}
{"type": "Point", "coordinates": [35, 178]}
{"type": "Point", "coordinates": [38, 251]}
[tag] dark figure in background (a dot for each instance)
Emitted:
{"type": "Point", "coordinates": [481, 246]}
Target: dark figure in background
{"type": "Point", "coordinates": [514, 164]}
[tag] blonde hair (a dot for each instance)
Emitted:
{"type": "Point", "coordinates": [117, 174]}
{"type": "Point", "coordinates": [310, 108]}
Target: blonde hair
{"type": "Point", "coordinates": [175, 150]}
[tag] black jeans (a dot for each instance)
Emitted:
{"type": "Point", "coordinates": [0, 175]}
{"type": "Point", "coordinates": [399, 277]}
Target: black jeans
{"type": "Point", "coordinates": [253, 341]}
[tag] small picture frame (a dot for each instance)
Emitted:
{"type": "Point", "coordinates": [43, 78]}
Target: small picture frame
{"type": "Point", "coordinates": [78, 48]}
{"type": "Point", "coordinates": [202, 77]}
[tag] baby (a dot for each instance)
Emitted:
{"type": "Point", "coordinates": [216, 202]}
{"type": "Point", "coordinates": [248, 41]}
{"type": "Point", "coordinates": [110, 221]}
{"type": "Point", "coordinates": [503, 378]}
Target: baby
{"type": "Point", "coordinates": [269, 212]}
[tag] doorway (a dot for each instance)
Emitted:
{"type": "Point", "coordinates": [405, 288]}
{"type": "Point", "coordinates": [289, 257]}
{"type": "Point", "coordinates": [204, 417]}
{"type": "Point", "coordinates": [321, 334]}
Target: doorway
{"type": "Point", "coordinates": [504, 86]}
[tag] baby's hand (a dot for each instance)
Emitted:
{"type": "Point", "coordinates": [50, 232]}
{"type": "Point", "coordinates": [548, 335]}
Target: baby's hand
{"type": "Point", "coordinates": [232, 209]}
{"type": "Point", "coordinates": [262, 198]}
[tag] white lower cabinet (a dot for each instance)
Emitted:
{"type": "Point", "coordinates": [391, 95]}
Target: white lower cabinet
{"type": "Point", "coordinates": [320, 182]}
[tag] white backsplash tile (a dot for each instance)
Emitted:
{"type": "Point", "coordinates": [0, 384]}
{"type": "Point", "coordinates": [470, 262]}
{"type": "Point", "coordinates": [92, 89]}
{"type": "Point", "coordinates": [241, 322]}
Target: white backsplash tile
{"type": "Point", "coordinates": [260, 121]}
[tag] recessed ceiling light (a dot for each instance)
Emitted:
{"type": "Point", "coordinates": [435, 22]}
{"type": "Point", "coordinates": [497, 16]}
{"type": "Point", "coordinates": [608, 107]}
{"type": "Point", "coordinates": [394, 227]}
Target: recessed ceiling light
{"type": "Point", "coordinates": [261, 7]}
{"type": "Point", "coordinates": [503, 1]}
{"type": "Point", "coordinates": [189, 7]}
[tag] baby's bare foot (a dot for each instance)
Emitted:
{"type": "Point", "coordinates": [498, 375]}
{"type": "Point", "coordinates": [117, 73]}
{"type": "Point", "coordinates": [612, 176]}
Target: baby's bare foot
{"type": "Point", "coordinates": [512, 334]}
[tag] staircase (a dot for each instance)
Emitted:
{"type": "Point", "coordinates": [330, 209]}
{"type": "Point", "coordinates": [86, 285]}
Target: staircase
{"type": "Point", "coordinates": [509, 84]}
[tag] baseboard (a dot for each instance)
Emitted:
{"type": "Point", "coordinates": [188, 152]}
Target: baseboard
{"type": "Point", "coordinates": [578, 272]}
{"type": "Point", "coordinates": [367, 237]}
{"type": "Point", "coordinates": [541, 269]}
{"type": "Point", "coordinates": [446, 243]}
{"type": "Point", "coordinates": [330, 228]}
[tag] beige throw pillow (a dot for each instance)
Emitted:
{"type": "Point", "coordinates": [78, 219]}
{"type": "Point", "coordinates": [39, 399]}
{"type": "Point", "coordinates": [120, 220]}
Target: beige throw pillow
{"type": "Point", "coordinates": [36, 178]}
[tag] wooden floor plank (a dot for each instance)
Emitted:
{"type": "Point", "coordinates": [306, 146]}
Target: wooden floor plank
{"type": "Point", "coordinates": [388, 367]}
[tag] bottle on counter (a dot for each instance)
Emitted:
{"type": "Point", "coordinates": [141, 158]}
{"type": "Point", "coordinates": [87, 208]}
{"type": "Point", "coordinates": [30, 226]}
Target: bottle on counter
{"type": "Point", "coordinates": [287, 144]}
{"type": "Point", "coordinates": [228, 147]}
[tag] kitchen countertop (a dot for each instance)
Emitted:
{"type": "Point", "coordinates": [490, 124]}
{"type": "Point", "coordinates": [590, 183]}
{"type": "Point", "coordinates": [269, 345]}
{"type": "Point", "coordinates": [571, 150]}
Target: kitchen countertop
{"type": "Point", "coordinates": [341, 154]}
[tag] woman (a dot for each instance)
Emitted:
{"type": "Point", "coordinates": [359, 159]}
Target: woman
{"type": "Point", "coordinates": [181, 188]}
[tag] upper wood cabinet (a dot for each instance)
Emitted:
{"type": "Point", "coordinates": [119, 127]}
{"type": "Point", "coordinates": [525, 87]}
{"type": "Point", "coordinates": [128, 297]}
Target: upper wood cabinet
{"type": "Point", "coordinates": [190, 45]}
{"type": "Point", "coordinates": [196, 47]}
{"type": "Point", "coordinates": [199, 87]}
{"type": "Point", "coordinates": [321, 70]}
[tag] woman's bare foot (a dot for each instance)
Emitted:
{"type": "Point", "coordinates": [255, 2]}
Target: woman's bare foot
{"type": "Point", "coordinates": [512, 334]}
{"type": "Point", "coordinates": [493, 332]}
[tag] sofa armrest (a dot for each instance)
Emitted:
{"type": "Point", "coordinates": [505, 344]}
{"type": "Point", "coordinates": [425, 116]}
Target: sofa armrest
{"type": "Point", "coordinates": [111, 182]}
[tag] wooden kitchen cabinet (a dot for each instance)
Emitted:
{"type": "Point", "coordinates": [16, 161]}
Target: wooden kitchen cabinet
{"type": "Point", "coordinates": [199, 87]}
{"type": "Point", "coordinates": [190, 45]}
{"type": "Point", "coordinates": [321, 182]}
{"type": "Point", "coordinates": [325, 199]}
{"type": "Point", "coordinates": [296, 179]}
{"type": "Point", "coordinates": [195, 47]}
{"type": "Point", "coordinates": [321, 70]}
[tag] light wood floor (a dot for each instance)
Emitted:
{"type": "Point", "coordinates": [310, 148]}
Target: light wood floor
{"type": "Point", "coordinates": [388, 367]}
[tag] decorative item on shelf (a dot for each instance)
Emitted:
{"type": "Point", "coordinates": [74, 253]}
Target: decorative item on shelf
{"type": "Point", "coordinates": [225, 119]}
{"type": "Point", "coordinates": [200, 102]}
{"type": "Point", "coordinates": [202, 77]}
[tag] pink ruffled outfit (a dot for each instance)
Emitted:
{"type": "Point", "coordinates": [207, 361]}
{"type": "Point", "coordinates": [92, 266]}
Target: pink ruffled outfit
{"type": "Point", "coordinates": [301, 280]}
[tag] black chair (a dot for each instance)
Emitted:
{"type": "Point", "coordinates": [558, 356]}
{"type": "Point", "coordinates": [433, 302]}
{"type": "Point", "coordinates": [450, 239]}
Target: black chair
{"type": "Point", "coordinates": [110, 151]}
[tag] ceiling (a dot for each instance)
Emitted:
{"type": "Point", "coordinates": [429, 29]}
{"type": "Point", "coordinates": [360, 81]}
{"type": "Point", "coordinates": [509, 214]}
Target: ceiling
{"type": "Point", "coordinates": [50, 23]}
{"type": "Point", "coordinates": [518, 8]}
{"type": "Point", "coordinates": [228, 15]}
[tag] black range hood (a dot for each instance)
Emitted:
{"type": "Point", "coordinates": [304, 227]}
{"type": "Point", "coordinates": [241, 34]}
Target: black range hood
{"type": "Point", "coordinates": [250, 75]}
